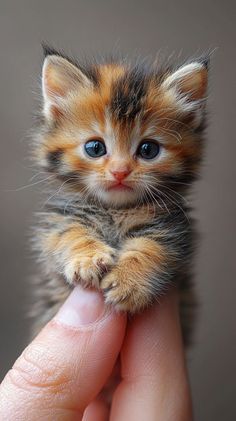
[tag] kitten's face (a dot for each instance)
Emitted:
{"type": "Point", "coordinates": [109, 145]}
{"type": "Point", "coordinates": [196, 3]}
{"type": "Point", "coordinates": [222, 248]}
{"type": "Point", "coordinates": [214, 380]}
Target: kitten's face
{"type": "Point", "coordinates": [122, 136]}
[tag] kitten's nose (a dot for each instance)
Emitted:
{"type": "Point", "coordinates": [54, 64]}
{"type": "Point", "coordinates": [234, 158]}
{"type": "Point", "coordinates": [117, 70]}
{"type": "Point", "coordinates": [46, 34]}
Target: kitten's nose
{"type": "Point", "coordinates": [120, 174]}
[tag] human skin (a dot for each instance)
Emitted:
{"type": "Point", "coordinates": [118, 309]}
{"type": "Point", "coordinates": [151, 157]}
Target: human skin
{"type": "Point", "coordinates": [60, 374]}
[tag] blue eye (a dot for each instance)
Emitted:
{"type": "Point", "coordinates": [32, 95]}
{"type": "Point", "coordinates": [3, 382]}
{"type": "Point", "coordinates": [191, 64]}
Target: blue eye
{"type": "Point", "coordinates": [95, 148]}
{"type": "Point", "coordinates": [148, 149]}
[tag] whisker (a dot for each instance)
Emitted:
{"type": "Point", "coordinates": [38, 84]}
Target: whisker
{"type": "Point", "coordinates": [172, 133]}
{"type": "Point", "coordinates": [142, 195]}
{"type": "Point", "coordinates": [36, 175]}
{"type": "Point", "coordinates": [174, 121]}
{"type": "Point", "coordinates": [59, 190]}
{"type": "Point", "coordinates": [170, 198]}
{"type": "Point", "coordinates": [150, 177]}
{"type": "Point", "coordinates": [155, 199]}
{"type": "Point", "coordinates": [179, 182]}
{"type": "Point", "coordinates": [30, 185]}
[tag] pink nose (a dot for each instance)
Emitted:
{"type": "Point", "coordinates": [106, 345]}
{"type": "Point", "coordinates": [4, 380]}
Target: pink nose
{"type": "Point", "coordinates": [120, 174]}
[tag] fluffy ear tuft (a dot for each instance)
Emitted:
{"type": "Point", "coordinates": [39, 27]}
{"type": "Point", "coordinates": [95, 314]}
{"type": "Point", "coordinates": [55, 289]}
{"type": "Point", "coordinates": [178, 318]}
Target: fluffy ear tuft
{"type": "Point", "coordinates": [188, 86]}
{"type": "Point", "coordinates": [60, 78]}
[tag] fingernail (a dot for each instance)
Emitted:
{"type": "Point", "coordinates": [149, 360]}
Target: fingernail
{"type": "Point", "coordinates": [82, 307]}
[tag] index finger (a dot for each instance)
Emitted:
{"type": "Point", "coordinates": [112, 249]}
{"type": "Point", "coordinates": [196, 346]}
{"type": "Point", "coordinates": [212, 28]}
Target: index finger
{"type": "Point", "coordinates": [154, 384]}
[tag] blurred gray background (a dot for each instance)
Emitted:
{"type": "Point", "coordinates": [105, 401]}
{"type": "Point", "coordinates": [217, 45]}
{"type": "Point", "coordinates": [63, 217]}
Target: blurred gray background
{"type": "Point", "coordinates": [134, 27]}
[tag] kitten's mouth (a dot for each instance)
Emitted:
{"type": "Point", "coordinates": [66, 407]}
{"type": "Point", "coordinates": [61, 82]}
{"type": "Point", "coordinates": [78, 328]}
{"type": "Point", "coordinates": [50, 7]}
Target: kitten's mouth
{"type": "Point", "coordinates": [119, 186]}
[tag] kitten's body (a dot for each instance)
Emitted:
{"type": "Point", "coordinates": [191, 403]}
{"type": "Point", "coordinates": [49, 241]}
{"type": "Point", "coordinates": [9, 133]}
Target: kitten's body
{"type": "Point", "coordinates": [117, 221]}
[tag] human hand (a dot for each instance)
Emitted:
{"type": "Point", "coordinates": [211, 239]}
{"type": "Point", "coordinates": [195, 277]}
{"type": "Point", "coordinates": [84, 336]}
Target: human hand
{"type": "Point", "coordinates": [60, 374]}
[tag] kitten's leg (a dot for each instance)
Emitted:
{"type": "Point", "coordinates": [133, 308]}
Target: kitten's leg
{"type": "Point", "coordinates": [73, 252]}
{"type": "Point", "coordinates": [140, 275]}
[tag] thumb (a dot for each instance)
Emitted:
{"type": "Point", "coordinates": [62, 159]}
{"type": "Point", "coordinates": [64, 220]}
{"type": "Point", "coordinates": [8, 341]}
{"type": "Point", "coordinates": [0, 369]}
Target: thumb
{"type": "Point", "coordinates": [67, 364]}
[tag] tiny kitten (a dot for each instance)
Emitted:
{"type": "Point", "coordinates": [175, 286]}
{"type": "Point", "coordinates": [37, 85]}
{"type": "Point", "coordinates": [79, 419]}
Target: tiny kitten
{"type": "Point", "coordinates": [120, 144]}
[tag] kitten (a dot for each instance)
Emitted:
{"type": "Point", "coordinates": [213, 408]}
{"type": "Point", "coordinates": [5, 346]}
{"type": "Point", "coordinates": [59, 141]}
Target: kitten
{"type": "Point", "coordinates": [122, 144]}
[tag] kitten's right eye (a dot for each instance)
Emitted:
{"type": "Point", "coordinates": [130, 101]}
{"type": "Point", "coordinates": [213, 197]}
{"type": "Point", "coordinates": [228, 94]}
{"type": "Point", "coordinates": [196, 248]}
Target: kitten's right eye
{"type": "Point", "coordinates": [95, 148]}
{"type": "Point", "coordinates": [148, 149]}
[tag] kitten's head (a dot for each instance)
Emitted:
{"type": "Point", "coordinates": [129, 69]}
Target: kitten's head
{"type": "Point", "coordinates": [122, 134]}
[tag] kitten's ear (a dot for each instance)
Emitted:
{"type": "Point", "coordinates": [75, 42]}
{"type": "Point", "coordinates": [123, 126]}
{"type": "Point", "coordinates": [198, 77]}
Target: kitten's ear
{"type": "Point", "coordinates": [60, 79]}
{"type": "Point", "coordinates": [188, 87]}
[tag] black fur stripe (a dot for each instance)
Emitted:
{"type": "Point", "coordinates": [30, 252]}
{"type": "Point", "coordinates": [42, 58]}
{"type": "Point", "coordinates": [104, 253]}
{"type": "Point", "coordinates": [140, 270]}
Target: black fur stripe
{"type": "Point", "coordinates": [128, 94]}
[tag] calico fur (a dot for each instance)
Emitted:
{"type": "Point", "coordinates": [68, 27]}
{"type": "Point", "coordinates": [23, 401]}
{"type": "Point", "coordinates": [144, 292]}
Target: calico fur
{"type": "Point", "coordinates": [135, 243]}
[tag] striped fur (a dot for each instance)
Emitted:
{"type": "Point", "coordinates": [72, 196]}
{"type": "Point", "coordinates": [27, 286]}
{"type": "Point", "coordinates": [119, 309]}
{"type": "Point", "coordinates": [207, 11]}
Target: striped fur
{"type": "Point", "coordinates": [133, 243]}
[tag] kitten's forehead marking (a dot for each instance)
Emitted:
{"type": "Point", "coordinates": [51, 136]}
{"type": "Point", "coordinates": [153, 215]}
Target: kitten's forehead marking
{"type": "Point", "coordinates": [110, 134]}
{"type": "Point", "coordinates": [128, 93]}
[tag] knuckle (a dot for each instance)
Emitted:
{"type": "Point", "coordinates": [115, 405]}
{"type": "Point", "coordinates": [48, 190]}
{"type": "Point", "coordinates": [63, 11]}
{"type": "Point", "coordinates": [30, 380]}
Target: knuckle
{"type": "Point", "coordinates": [38, 369]}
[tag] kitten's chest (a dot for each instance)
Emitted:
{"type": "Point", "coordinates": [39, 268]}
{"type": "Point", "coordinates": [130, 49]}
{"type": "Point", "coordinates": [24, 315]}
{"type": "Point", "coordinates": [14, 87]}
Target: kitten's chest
{"type": "Point", "coordinates": [117, 223]}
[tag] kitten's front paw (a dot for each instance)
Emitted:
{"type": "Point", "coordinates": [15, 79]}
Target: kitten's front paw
{"type": "Point", "coordinates": [89, 270]}
{"type": "Point", "coordinates": [125, 291]}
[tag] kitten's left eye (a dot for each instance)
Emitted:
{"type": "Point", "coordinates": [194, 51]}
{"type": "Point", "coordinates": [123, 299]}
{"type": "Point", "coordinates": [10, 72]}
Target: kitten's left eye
{"type": "Point", "coordinates": [148, 149]}
{"type": "Point", "coordinates": [95, 148]}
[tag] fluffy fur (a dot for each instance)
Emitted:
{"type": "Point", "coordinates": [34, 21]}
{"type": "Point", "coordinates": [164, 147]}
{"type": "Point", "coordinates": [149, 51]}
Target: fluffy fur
{"type": "Point", "coordinates": [133, 238]}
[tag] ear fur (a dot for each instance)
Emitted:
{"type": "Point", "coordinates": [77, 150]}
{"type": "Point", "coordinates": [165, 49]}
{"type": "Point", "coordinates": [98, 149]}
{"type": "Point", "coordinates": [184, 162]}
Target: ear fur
{"type": "Point", "coordinates": [188, 86]}
{"type": "Point", "coordinates": [60, 79]}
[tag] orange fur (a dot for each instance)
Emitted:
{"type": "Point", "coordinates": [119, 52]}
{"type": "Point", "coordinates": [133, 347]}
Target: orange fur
{"type": "Point", "coordinates": [128, 285]}
{"type": "Point", "coordinates": [81, 256]}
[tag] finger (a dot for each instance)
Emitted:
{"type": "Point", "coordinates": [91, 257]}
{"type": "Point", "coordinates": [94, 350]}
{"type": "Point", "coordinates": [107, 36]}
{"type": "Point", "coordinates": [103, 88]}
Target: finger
{"type": "Point", "coordinates": [101, 406]}
{"type": "Point", "coordinates": [154, 385]}
{"type": "Point", "coordinates": [66, 366]}
{"type": "Point", "coordinates": [97, 410]}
